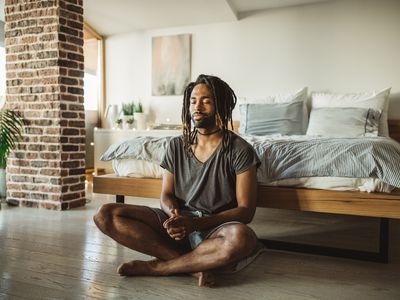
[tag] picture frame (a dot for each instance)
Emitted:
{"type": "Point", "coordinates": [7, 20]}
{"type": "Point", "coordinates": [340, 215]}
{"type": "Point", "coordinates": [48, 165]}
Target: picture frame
{"type": "Point", "coordinates": [171, 64]}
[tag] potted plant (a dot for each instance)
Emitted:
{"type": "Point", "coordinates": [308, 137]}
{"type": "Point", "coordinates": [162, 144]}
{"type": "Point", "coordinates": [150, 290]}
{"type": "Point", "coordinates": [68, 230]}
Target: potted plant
{"type": "Point", "coordinates": [140, 117]}
{"type": "Point", "coordinates": [119, 123]}
{"type": "Point", "coordinates": [129, 123]}
{"type": "Point", "coordinates": [127, 111]}
{"type": "Point", "coordinates": [10, 131]}
{"type": "Point", "coordinates": [138, 108]}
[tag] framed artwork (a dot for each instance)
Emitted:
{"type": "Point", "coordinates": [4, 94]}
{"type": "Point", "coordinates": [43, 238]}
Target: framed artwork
{"type": "Point", "coordinates": [170, 64]}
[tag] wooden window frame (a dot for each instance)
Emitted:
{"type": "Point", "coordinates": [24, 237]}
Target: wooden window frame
{"type": "Point", "coordinates": [90, 33]}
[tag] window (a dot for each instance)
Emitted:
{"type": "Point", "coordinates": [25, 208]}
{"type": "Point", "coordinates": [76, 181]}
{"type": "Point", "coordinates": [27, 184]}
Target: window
{"type": "Point", "coordinates": [91, 92]}
{"type": "Point", "coordinates": [92, 75]}
{"type": "Point", "coordinates": [93, 86]}
{"type": "Point", "coordinates": [94, 72]}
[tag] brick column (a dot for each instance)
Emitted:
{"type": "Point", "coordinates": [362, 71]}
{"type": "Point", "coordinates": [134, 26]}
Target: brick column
{"type": "Point", "coordinates": [44, 55]}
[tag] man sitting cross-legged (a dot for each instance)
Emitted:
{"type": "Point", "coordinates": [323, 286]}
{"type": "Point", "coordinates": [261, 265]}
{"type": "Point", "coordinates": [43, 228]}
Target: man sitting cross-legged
{"type": "Point", "coordinates": [208, 195]}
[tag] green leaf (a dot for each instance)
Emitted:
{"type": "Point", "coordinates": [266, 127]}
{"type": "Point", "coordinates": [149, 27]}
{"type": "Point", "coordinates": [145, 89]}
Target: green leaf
{"type": "Point", "coordinates": [10, 132]}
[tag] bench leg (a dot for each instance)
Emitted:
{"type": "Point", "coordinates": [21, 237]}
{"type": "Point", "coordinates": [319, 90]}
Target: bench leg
{"type": "Point", "coordinates": [120, 198]}
{"type": "Point", "coordinates": [381, 256]}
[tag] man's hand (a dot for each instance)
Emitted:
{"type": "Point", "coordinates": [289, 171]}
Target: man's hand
{"type": "Point", "coordinates": [178, 226]}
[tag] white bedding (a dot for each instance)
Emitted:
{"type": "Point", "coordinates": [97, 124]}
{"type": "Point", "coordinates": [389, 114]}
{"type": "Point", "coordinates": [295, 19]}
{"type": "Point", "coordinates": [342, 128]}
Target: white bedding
{"type": "Point", "coordinates": [136, 168]}
{"type": "Point", "coordinates": [141, 168]}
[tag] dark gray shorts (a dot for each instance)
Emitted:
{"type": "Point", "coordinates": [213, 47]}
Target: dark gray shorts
{"type": "Point", "coordinates": [196, 237]}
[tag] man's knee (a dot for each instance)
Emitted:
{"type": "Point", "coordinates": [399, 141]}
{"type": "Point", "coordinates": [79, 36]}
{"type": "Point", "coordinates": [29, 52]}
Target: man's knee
{"type": "Point", "coordinates": [104, 216]}
{"type": "Point", "coordinates": [239, 241]}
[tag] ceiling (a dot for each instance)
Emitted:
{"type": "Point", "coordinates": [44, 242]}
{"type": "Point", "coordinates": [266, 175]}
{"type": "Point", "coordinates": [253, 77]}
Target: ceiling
{"type": "Point", "coordinates": [119, 16]}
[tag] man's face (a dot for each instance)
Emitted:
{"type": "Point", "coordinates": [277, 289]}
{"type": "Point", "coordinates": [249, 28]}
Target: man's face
{"type": "Point", "coordinates": [202, 106]}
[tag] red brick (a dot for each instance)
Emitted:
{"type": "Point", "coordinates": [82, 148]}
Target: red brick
{"type": "Point", "coordinates": [44, 81]}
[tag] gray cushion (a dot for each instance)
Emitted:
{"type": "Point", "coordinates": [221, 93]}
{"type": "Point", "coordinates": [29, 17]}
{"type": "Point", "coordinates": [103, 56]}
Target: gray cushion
{"type": "Point", "coordinates": [265, 119]}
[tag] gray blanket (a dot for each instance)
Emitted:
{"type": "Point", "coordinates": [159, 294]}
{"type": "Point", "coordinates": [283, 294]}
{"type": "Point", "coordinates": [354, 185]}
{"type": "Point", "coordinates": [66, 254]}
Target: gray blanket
{"type": "Point", "coordinates": [297, 156]}
{"type": "Point", "coordinates": [338, 157]}
{"type": "Point", "coordinates": [142, 148]}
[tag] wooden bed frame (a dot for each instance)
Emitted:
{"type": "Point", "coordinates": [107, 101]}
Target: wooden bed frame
{"type": "Point", "coordinates": [381, 205]}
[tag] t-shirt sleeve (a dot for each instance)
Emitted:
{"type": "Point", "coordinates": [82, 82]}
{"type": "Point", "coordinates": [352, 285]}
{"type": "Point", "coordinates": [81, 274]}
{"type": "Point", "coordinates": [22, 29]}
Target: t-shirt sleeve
{"type": "Point", "coordinates": [168, 160]}
{"type": "Point", "coordinates": [245, 157]}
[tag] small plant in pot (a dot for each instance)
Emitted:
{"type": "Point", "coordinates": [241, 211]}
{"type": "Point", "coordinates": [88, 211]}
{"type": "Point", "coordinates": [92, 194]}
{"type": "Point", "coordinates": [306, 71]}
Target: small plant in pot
{"type": "Point", "coordinates": [140, 117]}
{"type": "Point", "coordinates": [10, 131]}
{"type": "Point", "coordinates": [119, 123]}
{"type": "Point", "coordinates": [129, 123]}
{"type": "Point", "coordinates": [138, 108]}
{"type": "Point", "coordinates": [127, 111]}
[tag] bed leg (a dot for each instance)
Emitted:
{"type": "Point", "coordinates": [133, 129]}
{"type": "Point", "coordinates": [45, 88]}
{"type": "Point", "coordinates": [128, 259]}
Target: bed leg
{"type": "Point", "coordinates": [120, 198]}
{"type": "Point", "coordinates": [384, 240]}
{"type": "Point", "coordinates": [381, 256]}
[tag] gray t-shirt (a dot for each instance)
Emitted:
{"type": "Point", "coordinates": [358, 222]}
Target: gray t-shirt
{"type": "Point", "coordinates": [209, 187]}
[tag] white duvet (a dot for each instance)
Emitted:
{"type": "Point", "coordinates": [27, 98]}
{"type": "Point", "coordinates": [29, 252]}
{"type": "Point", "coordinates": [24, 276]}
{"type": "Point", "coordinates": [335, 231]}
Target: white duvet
{"type": "Point", "coordinates": [140, 168]}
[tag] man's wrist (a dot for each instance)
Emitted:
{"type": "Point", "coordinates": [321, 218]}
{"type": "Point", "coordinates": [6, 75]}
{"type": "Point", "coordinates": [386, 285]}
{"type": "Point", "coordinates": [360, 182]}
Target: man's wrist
{"type": "Point", "coordinates": [169, 209]}
{"type": "Point", "coordinates": [173, 211]}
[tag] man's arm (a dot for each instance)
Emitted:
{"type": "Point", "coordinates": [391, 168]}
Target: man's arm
{"type": "Point", "coordinates": [246, 195]}
{"type": "Point", "coordinates": [167, 199]}
{"type": "Point", "coordinates": [170, 207]}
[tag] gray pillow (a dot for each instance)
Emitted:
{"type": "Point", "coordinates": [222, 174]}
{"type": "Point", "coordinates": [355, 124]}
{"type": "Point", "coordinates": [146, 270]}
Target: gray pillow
{"type": "Point", "coordinates": [344, 122]}
{"type": "Point", "coordinates": [265, 119]}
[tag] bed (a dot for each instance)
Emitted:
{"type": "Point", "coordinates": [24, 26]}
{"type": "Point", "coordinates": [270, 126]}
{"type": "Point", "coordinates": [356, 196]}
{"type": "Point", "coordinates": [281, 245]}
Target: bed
{"type": "Point", "coordinates": [380, 205]}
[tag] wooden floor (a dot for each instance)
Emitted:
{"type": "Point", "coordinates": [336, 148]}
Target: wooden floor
{"type": "Point", "coordinates": [61, 255]}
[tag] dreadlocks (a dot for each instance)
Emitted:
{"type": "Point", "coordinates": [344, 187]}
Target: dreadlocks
{"type": "Point", "coordinates": [225, 101]}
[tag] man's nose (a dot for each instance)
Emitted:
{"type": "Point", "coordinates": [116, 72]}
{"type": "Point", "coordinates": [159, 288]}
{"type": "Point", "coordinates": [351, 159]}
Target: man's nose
{"type": "Point", "coordinates": [198, 106]}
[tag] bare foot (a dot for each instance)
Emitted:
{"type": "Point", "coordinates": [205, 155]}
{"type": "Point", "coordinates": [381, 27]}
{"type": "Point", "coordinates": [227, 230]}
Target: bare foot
{"type": "Point", "coordinates": [206, 279]}
{"type": "Point", "coordinates": [137, 268]}
{"type": "Point", "coordinates": [149, 268]}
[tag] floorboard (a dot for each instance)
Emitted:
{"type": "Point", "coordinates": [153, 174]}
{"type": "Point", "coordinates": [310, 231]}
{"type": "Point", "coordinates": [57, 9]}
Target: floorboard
{"type": "Point", "coordinates": [61, 255]}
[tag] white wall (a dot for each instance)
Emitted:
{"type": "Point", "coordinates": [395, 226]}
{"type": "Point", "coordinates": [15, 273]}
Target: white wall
{"type": "Point", "coordinates": [342, 46]}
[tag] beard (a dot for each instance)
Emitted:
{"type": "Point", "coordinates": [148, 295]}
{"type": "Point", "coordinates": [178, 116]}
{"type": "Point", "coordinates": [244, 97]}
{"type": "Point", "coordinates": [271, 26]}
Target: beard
{"type": "Point", "coordinates": [206, 122]}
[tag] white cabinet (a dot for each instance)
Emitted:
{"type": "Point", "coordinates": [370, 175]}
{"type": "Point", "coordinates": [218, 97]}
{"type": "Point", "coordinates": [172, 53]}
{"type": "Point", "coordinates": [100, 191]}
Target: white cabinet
{"type": "Point", "coordinates": [103, 138]}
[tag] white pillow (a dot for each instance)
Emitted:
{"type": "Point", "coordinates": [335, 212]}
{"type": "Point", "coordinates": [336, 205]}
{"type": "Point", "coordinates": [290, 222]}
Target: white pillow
{"type": "Point", "coordinates": [298, 96]}
{"type": "Point", "coordinates": [375, 100]}
{"type": "Point", "coordinates": [344, 122]}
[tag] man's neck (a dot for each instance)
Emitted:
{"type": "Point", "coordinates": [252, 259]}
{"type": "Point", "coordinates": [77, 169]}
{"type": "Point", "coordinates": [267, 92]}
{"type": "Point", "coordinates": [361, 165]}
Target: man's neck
{"type": "Point", "coordinates": [209, 132]}
{"type": "Point", "coordinates": [208, 135]}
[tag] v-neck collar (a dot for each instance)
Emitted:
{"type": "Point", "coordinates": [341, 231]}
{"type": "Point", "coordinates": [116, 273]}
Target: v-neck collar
{"type": "Point", "coordinates": [216, 150]}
